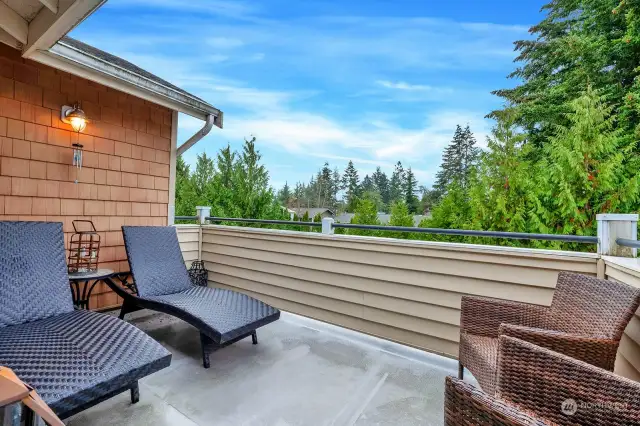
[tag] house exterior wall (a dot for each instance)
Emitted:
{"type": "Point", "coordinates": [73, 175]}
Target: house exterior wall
{"type": "Point", "coordinates": [125, 175]}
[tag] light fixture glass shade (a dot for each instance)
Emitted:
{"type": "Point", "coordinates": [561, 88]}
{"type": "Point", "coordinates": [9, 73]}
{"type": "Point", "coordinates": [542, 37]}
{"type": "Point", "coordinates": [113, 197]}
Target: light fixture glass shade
{"type": "Point", "coordinates": [78, 124]}
{"type": "Point", "coordinates": [75, 117]}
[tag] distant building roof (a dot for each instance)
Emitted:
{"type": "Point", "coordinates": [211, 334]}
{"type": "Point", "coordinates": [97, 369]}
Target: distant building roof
{"type": "Point", "coordinates": [382, 217]}
{"type": "Point", "coordinates": [314, 211]}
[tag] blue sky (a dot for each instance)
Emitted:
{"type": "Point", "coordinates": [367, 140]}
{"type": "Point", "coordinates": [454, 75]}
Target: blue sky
{"type": "Point", "coordinates": [375, 81]}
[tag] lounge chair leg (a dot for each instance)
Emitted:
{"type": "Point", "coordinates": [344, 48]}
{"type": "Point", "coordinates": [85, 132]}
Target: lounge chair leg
{"type": "Point", "coordinates": [206, 345]}
{"type": "Point", "coordinates": [135, 393]}
{"type": "Point", "coordinates": [460, 371]}
{"type": "Point", "coordinates": [125, 309]}
{"type": "Point", "coordinates": [254, 337]}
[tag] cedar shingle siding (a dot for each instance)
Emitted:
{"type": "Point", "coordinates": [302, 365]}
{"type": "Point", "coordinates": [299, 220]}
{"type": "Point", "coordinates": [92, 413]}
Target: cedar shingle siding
{"type": "Point", "coordinates": [124, 179]}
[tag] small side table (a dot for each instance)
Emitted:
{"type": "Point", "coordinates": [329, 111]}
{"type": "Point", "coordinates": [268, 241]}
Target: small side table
{"type": "Point", "coordinates": [83, 283]}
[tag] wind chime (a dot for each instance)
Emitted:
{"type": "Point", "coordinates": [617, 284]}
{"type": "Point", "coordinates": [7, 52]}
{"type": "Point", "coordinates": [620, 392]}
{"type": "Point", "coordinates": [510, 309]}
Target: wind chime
{"type": "Point", "coordinates": [77, 159]}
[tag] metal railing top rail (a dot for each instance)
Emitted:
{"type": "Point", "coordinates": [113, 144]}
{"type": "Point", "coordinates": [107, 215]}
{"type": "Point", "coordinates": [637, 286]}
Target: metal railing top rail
{"type": "Point", "coordinates": [186, 218]}
{"type": "Point", "coordinates": [265, 221]}
{"type": "Point", "coordinates": [454, 232]}
{"type": "Point", "coordinates": [471, 233]}
{"type": "Point", "coordinates": [628, 243]}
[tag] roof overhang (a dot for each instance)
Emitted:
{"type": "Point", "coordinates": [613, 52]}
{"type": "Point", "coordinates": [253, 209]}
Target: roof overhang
{"type": "Point", "coordinates": [37, 26]}
{"type": "Point", "coordinates": [74, 61]}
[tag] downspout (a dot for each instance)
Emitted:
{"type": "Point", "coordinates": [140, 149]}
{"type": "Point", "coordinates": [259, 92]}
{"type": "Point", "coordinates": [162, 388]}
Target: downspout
{"type": "Point", "coordinates": [210, 122]}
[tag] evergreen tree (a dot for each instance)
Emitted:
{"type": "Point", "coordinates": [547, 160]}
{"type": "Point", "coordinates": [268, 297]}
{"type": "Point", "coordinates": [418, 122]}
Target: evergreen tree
{"type": "Point", "coordinates": [285, 195]}
{"type": "Point", "coordinates": [396, 184]}
{"type": "Point", "coordinates": [366, 213]}
{"type": "Point", "coordinates": [351, 184]}
{"type": "Point", "coordinates": [381, 183]}
{"type": "Point", "coordinates": [226, 160]}
{"type": "Point", "coordinates": [591, 168]}
{"type": "Point", "coordinates": [400, 216]}
{"type": "Point", "coordinates": [450, 168]}
{"type": "Point", "coordinates": [186, 198]}
{"type": "Point", "coordinates": [410, 189]}
{"type": "Point", "coordinates": [457, 161]}
{"type": "Point", "coordinates": [367, 185]}
{"type": "Point", "coordinates": [579, 44]}
{"type": "Point", "coordinates": [203, 176]}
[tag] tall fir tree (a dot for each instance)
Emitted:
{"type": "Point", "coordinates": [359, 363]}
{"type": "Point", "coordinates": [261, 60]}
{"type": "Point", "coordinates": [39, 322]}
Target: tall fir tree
{"type": "Point", "coordinates": [397, 184]}
{"type": "Point", "coordinates": [351, 184]}
{"type": "Point", "coordinates": [410, 189]}
{"type": "Point", "coordinates": [382, 185]}
{"type": "Point", "coordinates": [284, 195]}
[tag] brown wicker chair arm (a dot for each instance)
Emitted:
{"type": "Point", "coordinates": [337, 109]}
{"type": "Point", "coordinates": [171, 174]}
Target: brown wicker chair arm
{"type": "Point", "coordinates": [467, 405]}
{"type": "Point", "coordinates": [563, 389]}
{"type": "Point", "coordinates": [596, 350]}
{"type": "Point", "coordinates": [482, 315]}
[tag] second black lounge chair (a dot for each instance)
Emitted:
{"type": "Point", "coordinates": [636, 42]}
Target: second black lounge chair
{"type": "Point", "coordinates": [162, 283]}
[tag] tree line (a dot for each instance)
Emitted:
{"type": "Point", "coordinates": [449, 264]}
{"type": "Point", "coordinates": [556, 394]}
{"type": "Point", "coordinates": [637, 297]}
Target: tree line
{"type": "Point", "coordinates": [342, 192]}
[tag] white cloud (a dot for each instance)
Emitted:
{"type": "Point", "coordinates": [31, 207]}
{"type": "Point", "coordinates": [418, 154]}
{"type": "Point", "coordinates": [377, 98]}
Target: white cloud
{"type": "Point", "coordinates": [401, 85]}
{"type": "Point", "coordinates": [224, 42]}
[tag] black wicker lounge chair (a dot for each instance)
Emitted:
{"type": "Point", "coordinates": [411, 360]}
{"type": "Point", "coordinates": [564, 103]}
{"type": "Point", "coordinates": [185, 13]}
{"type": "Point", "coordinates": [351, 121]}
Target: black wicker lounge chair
{"type": "Point", "coordinates": [74, 359]}
{"type": "Point", "coordinates": [162, 283]}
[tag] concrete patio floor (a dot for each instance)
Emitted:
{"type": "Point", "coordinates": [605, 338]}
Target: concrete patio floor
{"type": "Point", "coordinates": [303, 372]}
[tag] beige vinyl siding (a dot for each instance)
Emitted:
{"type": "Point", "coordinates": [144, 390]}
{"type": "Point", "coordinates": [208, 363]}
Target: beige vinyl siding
{"type": "Point", "coordinates": [405, 291]}
{"type": "Point", "coordinates": [628, 361]}
{"type": "Point", "coordinates": [189, 239]}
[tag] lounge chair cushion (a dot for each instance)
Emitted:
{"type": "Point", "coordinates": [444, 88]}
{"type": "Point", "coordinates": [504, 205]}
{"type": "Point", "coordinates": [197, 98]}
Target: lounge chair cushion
{"type": "Point", "coordinates": [79, 357]}
{"type": "Point", "coordinates": [156, 260]}
{"type": "Point", "coordinates": [33, 277]}
{"type": "Point", "coordinates": [224, 314]}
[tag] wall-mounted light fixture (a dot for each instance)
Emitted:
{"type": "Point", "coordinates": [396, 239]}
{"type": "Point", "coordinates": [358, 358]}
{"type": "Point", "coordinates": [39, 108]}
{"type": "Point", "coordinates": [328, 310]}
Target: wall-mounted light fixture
{"type": "Point", "coordinates": [74, 116]}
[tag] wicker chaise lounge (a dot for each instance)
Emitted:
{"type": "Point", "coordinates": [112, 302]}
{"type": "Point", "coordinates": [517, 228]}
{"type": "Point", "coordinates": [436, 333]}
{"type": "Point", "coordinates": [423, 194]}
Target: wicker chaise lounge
{"type": "Point", "coordinates": [586, 320]}
{"type": "Point", "coordinates": [74, 359]}
{"type": "Point", "coordinates": [162, 282]}
{"type": "Point", "coordinates": [536, 386]}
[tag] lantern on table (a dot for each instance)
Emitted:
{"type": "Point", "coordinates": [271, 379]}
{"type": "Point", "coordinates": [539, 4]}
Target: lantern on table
{"type": "Point", "coordinates": [84, 247]}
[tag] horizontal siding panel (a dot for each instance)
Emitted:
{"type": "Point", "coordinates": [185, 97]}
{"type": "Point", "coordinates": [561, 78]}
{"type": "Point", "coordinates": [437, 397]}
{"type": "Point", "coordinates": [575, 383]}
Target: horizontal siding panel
{"type": "Point", "coordinates": [405, 337]}
{"type": "Point", "coordinates": [213, 253]}
{"type": "Point", "coordinates": [539, 275]}
{"type": "Point", "coordinates": [417, 309]}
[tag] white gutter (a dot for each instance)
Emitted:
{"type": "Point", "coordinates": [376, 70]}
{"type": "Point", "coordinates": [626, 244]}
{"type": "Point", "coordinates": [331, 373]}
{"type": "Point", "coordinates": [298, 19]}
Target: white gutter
{"type": "Point", "coordinates": [74, 61]}
{"type": "Point", "coordinates": [208, 125]}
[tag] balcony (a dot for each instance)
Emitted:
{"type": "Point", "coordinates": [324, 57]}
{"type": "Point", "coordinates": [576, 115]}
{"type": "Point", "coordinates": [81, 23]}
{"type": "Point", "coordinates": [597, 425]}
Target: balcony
{"type": "Point", "coordinates": [371, 328]}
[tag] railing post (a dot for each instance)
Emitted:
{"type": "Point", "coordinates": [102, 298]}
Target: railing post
{"type": "Point", "coordinates": [614, 226]}
{"type": "Point", "coordinates": [327, 225]}
{"type": "Point", "coordinates": [203, 213]}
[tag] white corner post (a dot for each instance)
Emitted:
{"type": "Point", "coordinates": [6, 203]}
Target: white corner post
{"type": "Point", "coordinates": [614, 226]}
{"type": "Point", "coordinates": [327, 225]}
{"type": "Point", "coordinates": [203, 213]}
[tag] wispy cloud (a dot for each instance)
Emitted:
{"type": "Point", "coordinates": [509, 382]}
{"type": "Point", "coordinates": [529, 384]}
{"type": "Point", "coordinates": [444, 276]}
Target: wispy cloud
{"type": "Point", "coordinates": [401, 85]}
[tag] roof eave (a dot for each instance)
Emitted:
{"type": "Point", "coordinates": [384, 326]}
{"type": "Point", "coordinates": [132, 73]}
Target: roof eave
{"type": "Point", "coordinates": [74, 61]}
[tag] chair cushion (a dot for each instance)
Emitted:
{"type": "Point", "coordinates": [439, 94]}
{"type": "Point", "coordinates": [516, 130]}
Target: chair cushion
{"type": "Point", "coordinates": [33, 272]}
{"type": "Point", "coordinates": [78, 357]}
{"type": "Point", "coordinates": [224, 314]}
{"type": "Point", "coordinates": [155, 260]}
{"type": "Point", "coordinates": [479, 354]}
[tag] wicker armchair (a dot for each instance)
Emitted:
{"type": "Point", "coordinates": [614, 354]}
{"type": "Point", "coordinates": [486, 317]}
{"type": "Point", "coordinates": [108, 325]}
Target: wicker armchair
{"type": "Point", "coordinates": [537, 386]}
{"type": "Point", "coordinates": [586, 320]}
